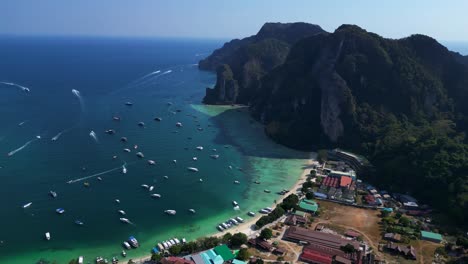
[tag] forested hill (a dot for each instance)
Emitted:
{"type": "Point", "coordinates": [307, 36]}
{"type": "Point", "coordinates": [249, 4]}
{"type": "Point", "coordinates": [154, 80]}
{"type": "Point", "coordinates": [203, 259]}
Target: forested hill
{"type": "Point", "coordinates": [241, 63]}
{"type": "Point", "coordinates": [402, 103]}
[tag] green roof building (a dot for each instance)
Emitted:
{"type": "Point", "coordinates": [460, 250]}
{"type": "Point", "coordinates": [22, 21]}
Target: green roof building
{"type": "Point", "coordinates": [236, 261]}
{"type": "Point", "coordinates": [224, 252]}
{"type": "Point", "coordinates": [308, 205]}
{"type": "Point", "coordinates": [429, 236]}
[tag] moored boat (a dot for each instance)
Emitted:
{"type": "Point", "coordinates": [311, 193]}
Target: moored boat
{"type": "Point", "coordinates": [60, 210]}
{"type": "Point", "coordinates": [53, 194]}
{"type": "Point", "coordinates": [126, 245]}
{"type": "Point", "coordinates": [156, 195]}
{"type": "Point", "coordinates": [47, 236]}
{"type": "Point", "coordinates": [170, 212]}
{"type": "Point", "coordinates": [193, 169]}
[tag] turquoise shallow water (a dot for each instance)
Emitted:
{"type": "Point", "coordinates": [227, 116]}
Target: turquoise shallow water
{"type": "Point", "coordinates": [107, 72]}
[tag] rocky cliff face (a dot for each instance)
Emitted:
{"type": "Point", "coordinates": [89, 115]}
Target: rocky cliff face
{"type": "Point", "coordinates": [226, 88]}
{"type": "Point", "coordinates": [251, 58]}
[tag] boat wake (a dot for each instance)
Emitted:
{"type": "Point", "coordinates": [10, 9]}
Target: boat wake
{"type": "Point", "coordinates": [13, 152]}
{"type": "Point", "coordinates": [93, 135]}
{"type": "Point", "coordinates": [24, 89]}
{"type": "Point", "coordinates": [143, 81]}
{"type": "Point", "coordinates": [96, 174]}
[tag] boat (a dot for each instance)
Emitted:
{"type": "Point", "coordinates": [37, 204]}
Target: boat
{"type": "Point", "coordinates": [160, 247]}
{"type": "Point", "coordinates": [141, 124]}
{"type": "Point", "coordinates": [86, 184]}
{"type": "Point", "coordinates": [151, 188]}
{"type": "Point", "coordinates": [110, 131]}
{"type": "Point", "coordinates": [60, 210]}
{"type": "Point", "coordinates": [124, 254]}
{"type": "Point", "coordinates": [122, 212]}
{"type": "Point", "coordinates": [240, 220]}
{"type": "Point", "coordinates": [264, 211]}
{"type": "Point", "coordinates": [251, 213]}
{"type": "Point", "coordinates": [192, 211]}
{"type": "Point", "coordinates": [199, 148]}
{"type": "Point", "coordinates": [116, 118]}
{"type": "Point", "coordinates": [178, 124]}
{"type": "Point", "coordinates": [47, 236]}
{"type": "Point", "coordinates": [166, 177]}
{"type": "Point", "coordinates": [127, 150]}
{"type": "Point", "coordinates": [184, 240]}
{"type": "Point", "coordinates": [214, 150]}
{"type": "Point", "coordinates": [224, 225]}
{"type": "Point", "coordinates": [165, 244]}
{"type": "Point", "coordinates": [214, 156]}
{"type": "Point", "coordinates": [151, 162]}
{"type": "Point", "coordinates": [140, 155]}
{"type": "Point", "coordinates": [256, 182]}
{"type": "Point", "coordinates": [157, 119]}
{"type": "Point", "coordinates": [128, 103]}
{"type": "Point", "coordinates": [53, 194]}
{"type": "Point", "coordinates": [78, 222]}
{"type": "Point", "coordinates": [236, 182]}
{"type": "Point", "coordinates": [220, 228]}
{"type": "Point", "coordinates": [124, 220]}
{"type": "Point", "coordinates": [230, 167]}
{"type": "Point", "coordinates": [117, 200]}
{"type": "Point", "coordinates": [235, 203]}
{"type": "Point", "coordinates": [156, 195]}
{"type": "Point", "coordinates": [176, 240]}
{"type": "Point", "coordinates": [172, 242]}
{"type": "Point", "coordinates": [267, 191]}
{"type": "Point", "coordinates": [126, 245]}
{"type": "Point", "coordinates": [170, 212]}
{"type": "Point", "coordinates": [234, 221]}
{"type": "Point", "coordinates": [145, 186]}
{"type": "Point", "coordinates": [99, 178]}
{"type": "Point", "coordinates": [195, 158]}
{"type": "Point", "coordinates": [80, 260]}
{"type": "Point", "coordinates": [192, 169]}
{"type": "Point", "coordinates": [169, 103]}
{"type": "Point", "coordinates": [123, 139]}
{"type": "Point", "coordinates": [124, 169]}
{"type": "Point", "coordinates": [269, 209]}
{"type": "Point", "coordinates": [200, 180]}
{"type": "Point", "coordinates": [200, 129]}
{"type": "Point", "coordinates": [115, 260]}
{"type": "Point", "coordinates": [236, 207]}
{"type": "Point", "coordinates": [175, 161]}
{"type": "Point", "coordinates": [27, 205]}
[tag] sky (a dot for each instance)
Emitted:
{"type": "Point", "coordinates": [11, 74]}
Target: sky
{"type": "Point", "coordinates": [443, 20]}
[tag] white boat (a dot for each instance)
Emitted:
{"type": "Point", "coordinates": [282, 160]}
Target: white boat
{"type": "Point", "coordinates": [158, 119]}
{"type": "Point", "coordinates": [60, 210]}
{"type": "Point", "coordinates": [151, 162]}
{"type": "Point", "coordinates": [214, 150]}
{"type": "Point", "coordinates": [160, 247]}
{"type": "Point", "coordinates": [172, 242]}
{"type": "Point", "coordinates": [122, 212]}
{"type": "Point", "coordinates": [165, 244]}
{"type": "Point", "coordinates": [117, 200]}
{"type": "Point", "coordinates": [126, 245]}
{"type": "Point", "coordinates": [145, 186]}
{"type": "Point", "coordinates": [80, 260]}
{"type": "Point", "coordinates": [124, 220]}
{"type": "Point", "coordinates": [124, 254]}
{"type": "Point", "coordinates": [240, 220]}
{"type": "Point", "coordinates": [236, 207]}
{"type": "Point", "coordinates": [53, 194]}
{"type": "Point", "coordinates": [235, 203]}
{"type": "Point", "coordinates": [184, 240]}
{"type": "Point", "coordinates": [201, 180]}
{"type": "Point", "coordinates": [225, 226]}
{"type": "Point", "coordinates": [192, 169]}
{"type": "Point", "coordinates": [27, 205]}
{"type": "Point", "coordinates": [127, 150]}
{"type": "Point", "coordinates": [156, 195]}
{"type": "Point", "coordinates": [124, 169]}
{"type": "Point", "coordinates": [214, 156]}
{"type": "Point", "coordinates": [170, 212]}
{"type": "Point", "coordinates": [47, 236]}
{"type": "Point", "coordinates": [177, 241]}
{"type": "Point", "coordinates": [269, 209]}
{"type": "Point", "coordinates": [132, 240]}
{"type": "Point", "coordinates": [178, 124]}
{"type": "Point", "coordinates": [234, 221]}
{"type": "Point", "coordinates": [199, 148]}
{"type": "Point", "coordinates": [140, 155]}
{"type": "Point", "coordinates": [99, 178]}
{"type": "Point", "coordinates": [175, 161]}
{"type": "Point", "coordinates": [220, 228]}
{"type": "Point", "coordinates": [264, 211]}
{"type": "Point", "coordinates": [141, 124]}
{"type": "Point", "coordinates": [236, 182]}
{"type": "Point", "coordinates": [251, 213]}
{"type": "Point", "coordinates": [166, 177]}
{"type": "Point", "coordinates": [192, 211]}
{"type": "Point", "coordinates": [151, 188]}
{"type": "Point", "coordinates": [230, 167]}
{"type": "Point", "coordinates": [195, 158]}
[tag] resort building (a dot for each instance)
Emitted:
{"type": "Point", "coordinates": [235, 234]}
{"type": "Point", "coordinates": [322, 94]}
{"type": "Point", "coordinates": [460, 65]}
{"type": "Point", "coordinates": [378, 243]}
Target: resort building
{"type": "Point", "coordinates": [407, 251]}
{"type": "Point", "coordinates": [294, 220]}
{"type": "Point", "coordinates": [316, 238]}
{"type": "Point", "coordinates": [217, 255]}
{"type": "Point", "coordinates": [308, 206]}
{"type": "Point", "coordinates": [429, 236]}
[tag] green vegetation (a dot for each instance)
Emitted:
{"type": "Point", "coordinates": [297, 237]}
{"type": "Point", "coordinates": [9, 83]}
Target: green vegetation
{"type": "Point", "coordinates": [243, 254]}
{"type": "Point", "coordinates": [175, 250]}
{"type": "Point", "coordinates": [348, 248]}
{"type": "Point", "coordinates": [156, 257]}
{"type": "Point", "coordinates": [266, 233]}
{"type": "Point", "coordinates": [290, 202]}
{"type": "Point", "coordinates": [238, 239]}
{"type": "Point", "coordinates": [322, 155]}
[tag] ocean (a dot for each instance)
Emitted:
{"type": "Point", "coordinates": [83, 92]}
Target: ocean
{"type": "Point", "coordinates": [160, 78]}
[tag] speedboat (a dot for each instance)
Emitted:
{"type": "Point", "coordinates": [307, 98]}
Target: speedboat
{"type": "Point", "coordinates": [47, 236]}
{"type": "Point", "coordinates": [175, 161]}
{"type": "Point", "coordinates": [124, 169]}
{"type": "Point", "coordinates": [178, 124]}
{"type": "Point", "coordinates": [192, 211]}
{"type": "Point", "coordinates": [192, 169]}
{"type": "Point", "coordinates": [236, 207]}
{"type": "Point", "coordinates": [184, 241]}
{"type": "Point", "coordinates": [195, 158]}
{"type": "Point", "coordinates": [60, 210]}
{"type": "Point", "coordinates": [141, 124]}
{"type": "Point", "coordinates": [214, 150]}
{"type": "Point", "coordinates": [117, 200]}
{"type": "Point", "coordinates": [123, 139]}
{"type": "Point", "coordinates": [128, 103]}
{"type": "Point", "coordinates": [114, 157]}
{"type": "Point", "coordinates": [140, 155]}
{"type": "Point", "coordinates": [126, 245]}
{"type": "Point", "coordinates": [201, 180]}
{"type": "Point", "coordinates": [145, 186]}
{"type": "Point", "coordinates": [264, 211]}
{"type": "Point", "coordinates": [151, 162]}
{"type": "Point", "coordinates": [166, 177]}
{"type": "Point", "coordinates": [256, 182]}
{"type": "Point", "coordinates": [236, 182]}
{"type": "Point", "coordinates": [99, 178]}
{"type": "Point", "coordinates": [267, 191]}
{"type": "Point", "coordinates": [170, 212]}
{"type": "Point", "coordinates": [200, 129]}
{"type": "Point", "coordinates": [115, 260]}
{"type": "Point", "coordinates": [122, 212]}
{"type": "Point", "coordinates": [240, 220]}
{"type": "Point", "coordinates": [116, 118]}
{"type": "Point", "coordinates": [127, 150]}
{"type": "Point", "coordinates": [110, 131]}
{"type": "Point", "coordinates": [53, 194]}
{"type": "Point", "coordinates": [251, 213]}
{"type": "Point", "coordinates": [158, 119]}
{"type": "Point", "coordinates": [27, 205]}
{"type": "Point", "coordinates": [150, 188]}
{"type": "Point", "coordinates": [230, 167]}
{"type": "Point", "coordinates": [235, 203]}
{"type": "Point", "coordinates": [220, 228]}
{"type": "Point", "coordinates": [124, 254]}
{"type": "Point", "coordinates": [177, 241]}
{"type": "Point", "coordinates": [234, 221]}
{"type": "Point", "coordinates": [78, 222]}
{"type": "Point", "coordinates": [86, 184]}
{"type": "Point", "coordinates": [124, 220]}
{"type": "Point", "coordinates": [132, 240]}
{"type": "Point", "coordinates": [214, 156]}
{"type": "Point", "coordinates": [199, 148]}
{"type": "Point", "coordinates": [80, 260]}
{"type": "Point", "coordinates": [156, 195]}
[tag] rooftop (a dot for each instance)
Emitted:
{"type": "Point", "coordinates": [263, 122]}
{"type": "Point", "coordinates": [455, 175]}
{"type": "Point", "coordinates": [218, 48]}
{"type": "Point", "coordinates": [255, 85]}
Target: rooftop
{"type": "Point", "coordinates": [315, 237]}
{"type": "Point", "coordinates": [308, 205]}
{"type": "Point", "coordinates": [224, 252]}
{"type": "Point", "coordinates": [431, 235]}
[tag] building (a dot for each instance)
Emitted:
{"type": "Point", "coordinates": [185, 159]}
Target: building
{"type": "Point", "coordinates": [312, 256]}
{"type": "Point", "coordinates": [407, 251]}
{"type": "Point", "coordinates": [345, 181]}
{"type": "Point", "coordinates": [175, 260]}
{"type": "Point", "coordinates": [218, 255]}
{"type": "Point", "coordinates": [224, 252]}
{"type": "Point", "coordinates": [429, 236]}
{"type": "Point", "coordinates": [295, 220]}
{"type": "Point", "coordinates": [260, 244]}
{"type": "Point", "coordinates": [308, 205]}
{"type": "Point", "coordinates": [357, 162]}
{"type": "Point", "coordinates": [352, 234]}
{"type": "Point", "coordinates": [393, 237]}
{"type": "Point", "coordinates": [302, 235]}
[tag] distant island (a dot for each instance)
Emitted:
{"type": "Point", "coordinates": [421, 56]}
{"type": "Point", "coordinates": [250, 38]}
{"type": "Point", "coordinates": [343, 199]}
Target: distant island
{"type": "Point", "coordinates": [399, 102]}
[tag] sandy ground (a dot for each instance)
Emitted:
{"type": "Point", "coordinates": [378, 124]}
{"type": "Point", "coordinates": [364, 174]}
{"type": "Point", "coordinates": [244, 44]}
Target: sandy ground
{"type": "Point", "coordinates": [247, 226]}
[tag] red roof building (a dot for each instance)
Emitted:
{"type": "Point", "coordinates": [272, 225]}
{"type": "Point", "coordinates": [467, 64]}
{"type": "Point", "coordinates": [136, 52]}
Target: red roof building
{"type": "Point", "coordinates": [345, 181]}
{"type": "Point", "coordinates": [331, 182]}
{"type": "Point", "coordinates": [312, 256]}
{"type": "Point", "coordinates": [175, 260]}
